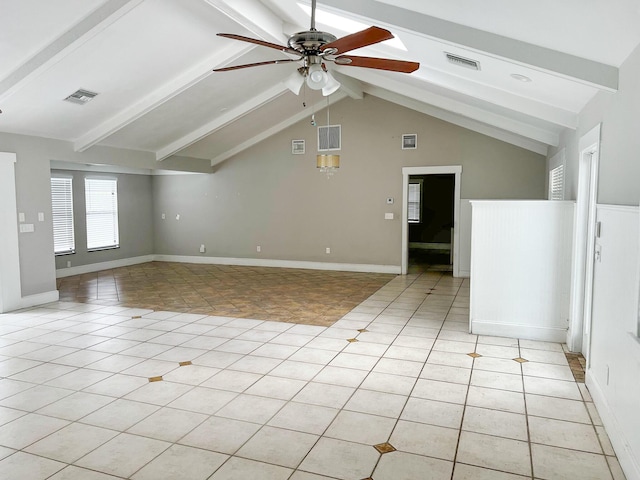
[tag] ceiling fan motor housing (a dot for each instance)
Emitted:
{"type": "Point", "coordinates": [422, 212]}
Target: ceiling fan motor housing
{"type": "Point", "coordinates": [310, 42]}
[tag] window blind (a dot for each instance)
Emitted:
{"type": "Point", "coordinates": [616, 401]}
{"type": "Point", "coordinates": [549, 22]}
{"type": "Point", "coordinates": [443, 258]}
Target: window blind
{"type": "Point", "coordinates": [414, 202]}
{"type": "Point", "coordinates": [556, 183]}
{"type": "Point", "coordinates": [101, 196]}
{"type": "Point", "coordinates": [62, 215]}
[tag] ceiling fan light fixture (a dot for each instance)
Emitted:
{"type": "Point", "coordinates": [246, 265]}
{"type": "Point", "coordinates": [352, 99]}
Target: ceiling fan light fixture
{"type": "Point", "coordinates": [317, 78]}
{"type": "Point", "coordinates": [332, 85]}
{"type": "Point", "coordinates": [294, 82]}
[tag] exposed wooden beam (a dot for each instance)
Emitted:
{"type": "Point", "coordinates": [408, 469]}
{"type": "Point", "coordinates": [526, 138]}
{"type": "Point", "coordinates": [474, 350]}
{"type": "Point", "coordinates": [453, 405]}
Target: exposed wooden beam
{"type": "Point", "coordinates": [586, 71]}
{"type": "Point", "coordinates": [221, 121]}
{"type": "Point", "coordinates": [176, 86]}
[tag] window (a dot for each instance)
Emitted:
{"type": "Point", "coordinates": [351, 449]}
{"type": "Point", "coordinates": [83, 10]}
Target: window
{"type": "Point", "coordinates": [62, 215]}
{"type": "Point", "coordinates": [101, 196]}
{"type": "Point", "coordinates": [556, 183]}
{"type": "Point", "coordinates": [415, 198]}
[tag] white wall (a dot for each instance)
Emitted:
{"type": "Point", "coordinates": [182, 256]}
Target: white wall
{"type": "Point", "coordinates": [520, 269]}
{"type": "Point", "coordinates": [613, 374]}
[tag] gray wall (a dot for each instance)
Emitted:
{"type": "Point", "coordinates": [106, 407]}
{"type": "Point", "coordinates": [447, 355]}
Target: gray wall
{"type": "Point", "coordinates": [266, 196]}
{"type": "Point", "coordinates": [33, 195]}
{"type": "Point", "coordinates": [135, 219]}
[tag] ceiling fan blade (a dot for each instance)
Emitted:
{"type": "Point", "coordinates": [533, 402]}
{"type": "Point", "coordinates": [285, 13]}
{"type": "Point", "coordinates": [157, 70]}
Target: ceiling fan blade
{"type": "Point", "coordinates": [378, 63]}
{"type": "Point", "coordinates": [270, 62]}
{"type": "Point", "coordinates": [282, 48]}
{"type": "Point", "coordinates": [359, 39]}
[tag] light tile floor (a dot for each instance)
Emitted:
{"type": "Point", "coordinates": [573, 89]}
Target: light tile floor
{"type": "Point", "coordinates": [239, 399]}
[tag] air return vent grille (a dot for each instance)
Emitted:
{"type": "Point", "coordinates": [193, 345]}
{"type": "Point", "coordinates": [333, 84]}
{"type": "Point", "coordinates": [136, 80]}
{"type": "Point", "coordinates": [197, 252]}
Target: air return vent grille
{"type": "Point", "coordinates": [462, 61]}
{"type": "Point", "coordinates": [329, 138]}
{"type": "Point", "coordinates": [81, 96]}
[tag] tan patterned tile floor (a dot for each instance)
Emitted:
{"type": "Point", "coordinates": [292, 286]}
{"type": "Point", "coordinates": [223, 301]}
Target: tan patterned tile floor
{"type": "Point", "coordinates": [281, 294]}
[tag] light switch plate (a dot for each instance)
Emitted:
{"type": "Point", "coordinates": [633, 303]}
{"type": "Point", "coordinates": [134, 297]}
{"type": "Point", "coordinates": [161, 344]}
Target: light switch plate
{"type": "Point", "coordinates": [21, 217]}
{"type": "Point", "coordinates": [40, 216]}
{"type": "Point", "coordinates": [388, 216]}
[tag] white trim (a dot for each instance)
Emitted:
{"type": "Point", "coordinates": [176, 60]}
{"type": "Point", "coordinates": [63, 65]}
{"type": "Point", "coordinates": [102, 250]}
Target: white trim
{"type": "Point", "coordinates": [39, 299]}
{"type": "Point", "coordinates": [259, 262]}
{"type": "Point", "coordinates": [96, 267]}
{"type": "Point", "coordinates": [583, 241]}
{"type": "Point", "coordinates": [464, 273]}
{"type": "Point", "coordinates": [627, 460]}
{"type": "Point", "coordinates": [10, 286]}
{"type": "Point", "coordinates": [434, 170]}
{"type": "Point", "coordinates": [543, 334]}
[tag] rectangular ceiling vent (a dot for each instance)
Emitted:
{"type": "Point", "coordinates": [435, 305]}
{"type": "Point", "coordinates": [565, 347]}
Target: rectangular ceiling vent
{"type": "Point", "coordinates": [329, 138]}
{"type": "Point", "coordinates": [81, 97]}
{"type": "Point", "coordinates": [462, 61]}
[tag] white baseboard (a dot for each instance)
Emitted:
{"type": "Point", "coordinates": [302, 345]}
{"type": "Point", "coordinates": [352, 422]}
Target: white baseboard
{"type": "Point", "coordinates": [96, 267]}
{"type": "Point", "coordinates": [629, 463]}
{"type": "Point", "coordinates": [259, 262]}
{"type": "Point", "coordinates": [464, 274]}
{"type": "Point", "coordinates": [528, 332]}
{"type": "Point", "coordinates": [39, 299]}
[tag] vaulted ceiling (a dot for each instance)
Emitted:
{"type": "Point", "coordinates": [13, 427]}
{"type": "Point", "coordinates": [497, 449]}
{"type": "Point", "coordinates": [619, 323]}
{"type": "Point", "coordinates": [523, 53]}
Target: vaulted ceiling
{"type": "Point", "coordinates": [151, 61]}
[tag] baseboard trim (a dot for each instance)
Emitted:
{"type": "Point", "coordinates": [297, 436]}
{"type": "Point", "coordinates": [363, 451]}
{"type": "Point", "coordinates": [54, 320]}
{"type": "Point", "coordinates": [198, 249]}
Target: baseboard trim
{"type": "Point", "coordinates": [528, 332]}
{"type": "Point", "coordinates": [464, 274]}
{"type": "Point", "coordinates": [39, 299]}
{"type": "Point", "coordinates": [259, 262]}
{"type": "Point", "coordinates": [96, 267]}
{"type": "Point", "coordinates": [630, 465]}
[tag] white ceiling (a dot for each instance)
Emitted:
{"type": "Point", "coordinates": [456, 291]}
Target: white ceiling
{"type": "Point", "coordinates": [151, 63]}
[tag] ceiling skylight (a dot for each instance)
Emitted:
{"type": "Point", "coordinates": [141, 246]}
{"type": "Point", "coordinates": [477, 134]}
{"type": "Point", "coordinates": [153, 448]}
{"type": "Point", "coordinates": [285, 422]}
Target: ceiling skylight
{"type": "Point", "coordinates": [347, 25]}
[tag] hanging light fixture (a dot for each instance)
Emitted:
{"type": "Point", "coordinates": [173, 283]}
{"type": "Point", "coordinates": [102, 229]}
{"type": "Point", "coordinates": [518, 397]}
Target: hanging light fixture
{"type": "Point", "coordinates": [328, 163]}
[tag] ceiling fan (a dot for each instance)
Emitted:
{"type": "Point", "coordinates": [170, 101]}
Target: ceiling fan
{"type": "Point", "coordinates": [313, 48]}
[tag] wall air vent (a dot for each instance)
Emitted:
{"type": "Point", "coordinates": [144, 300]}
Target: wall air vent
{"type": "Point", "coordinates": [462, 61]}
{"type": "Point", "coordinates": [81, 97]}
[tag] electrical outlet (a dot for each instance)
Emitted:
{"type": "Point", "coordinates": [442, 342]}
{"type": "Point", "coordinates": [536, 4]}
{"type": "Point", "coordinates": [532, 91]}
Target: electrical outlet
{"type": "Point", "coordinates": [40, 216]}
{"type": "Point", "coordinates": [164, 216]}
{"type": "Point", "coordinates": [68, 263]}
{"type": "Point", "coordinates": [202, 249]}
{"type": "Point", "coordinates": [258, 249]}
{"type": "Point", "coordinates": [178, 217]}
{"type": "Point", "coordinates": [21, 217]}
{"type": "Point", "coordinates": [327, 250]}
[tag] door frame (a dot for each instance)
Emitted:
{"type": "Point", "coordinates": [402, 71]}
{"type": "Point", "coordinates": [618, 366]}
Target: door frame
{"type": "Point", "coordinates": [445, 169]}
{"type": "Point", "coordinates": [578, 334]}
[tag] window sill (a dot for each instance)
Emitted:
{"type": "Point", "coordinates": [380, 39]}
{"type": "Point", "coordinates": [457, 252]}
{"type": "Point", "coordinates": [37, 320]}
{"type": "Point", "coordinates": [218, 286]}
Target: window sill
{"type": "Point", "coordinates": [62, 254]}
{"type": "Point", "coordinates": [90, 250]}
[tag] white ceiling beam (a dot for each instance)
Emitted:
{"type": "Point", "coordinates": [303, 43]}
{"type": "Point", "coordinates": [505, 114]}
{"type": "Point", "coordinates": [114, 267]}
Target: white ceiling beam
{"type": "Point", "coordinates": [221, 121]}
{"type": "Point", "coordinates": [336, 97]}
{"type": "Point", "coordinates": [76, 36]}
{"type": "Point", "coordinates": [254, 16]}
{"type": "Point", "coordinates": [546, 136]}
{"type": "Point", "coordinates": [176, 86]}
{"type": "Point", "coordinates": [468, 123]}
{"type": "Point", "coordinates": [586, 71]}
{"type": "Point", "coordinates": [349, 85]}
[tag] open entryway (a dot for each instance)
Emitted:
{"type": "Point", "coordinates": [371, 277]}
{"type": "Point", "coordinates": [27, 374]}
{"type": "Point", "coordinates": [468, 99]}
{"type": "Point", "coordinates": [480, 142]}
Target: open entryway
{"type": "Point", "coordinates": [431, 205]}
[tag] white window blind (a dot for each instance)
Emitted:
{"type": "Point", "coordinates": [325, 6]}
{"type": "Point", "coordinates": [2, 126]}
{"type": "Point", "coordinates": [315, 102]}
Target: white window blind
{"type": "Point", "coordinates": [101, 196]}
{"type": "Point", "coordinates": [556, 183]}
{"type": "Point", "coordinates": [62, 215]}
{"type": "Point", "coordinates": [415, 191]}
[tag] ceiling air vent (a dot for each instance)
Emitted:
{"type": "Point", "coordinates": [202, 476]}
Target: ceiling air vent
{"type": "Point", "coordinates": [463, 62]}
{"type": "Point", "coordinates": [81, 97]}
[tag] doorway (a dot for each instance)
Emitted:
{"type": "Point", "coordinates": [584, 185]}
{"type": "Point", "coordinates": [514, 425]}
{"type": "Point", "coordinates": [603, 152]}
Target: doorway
{"type": "Point", "coordinates": [578, 335]}
{"type": "Point", "coordinates": [430, 212]}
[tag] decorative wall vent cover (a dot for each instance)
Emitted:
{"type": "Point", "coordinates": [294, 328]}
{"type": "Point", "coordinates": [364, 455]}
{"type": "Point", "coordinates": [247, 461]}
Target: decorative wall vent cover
{"type": "Point", "coordinates": [329, 138]}
{"type": "Point", "coordinates": [81, 97]}
{"type": "Point", "coordinates": [297, 147]}
{"type": "Point", "coordinates": [409, 141]}
{"type": "Point", "coordinates": [462, 61]}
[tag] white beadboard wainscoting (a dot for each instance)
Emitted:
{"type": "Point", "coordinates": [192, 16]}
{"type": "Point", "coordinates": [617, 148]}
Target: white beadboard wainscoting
{"type": "Point", "coordinates": [613, 366]}
{"type": "Point", "coordinates": [521, 268]}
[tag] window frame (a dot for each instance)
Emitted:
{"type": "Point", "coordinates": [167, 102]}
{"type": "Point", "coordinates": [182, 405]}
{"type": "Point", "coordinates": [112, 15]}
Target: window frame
{"type": "Point", "coordinates": [69, 216]}
{"type": "Point", "coordinates": [92, 213]}
{"type": "Point", "coordinates": [420, 182]}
